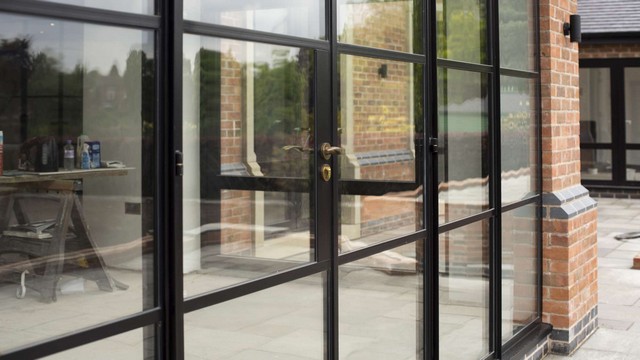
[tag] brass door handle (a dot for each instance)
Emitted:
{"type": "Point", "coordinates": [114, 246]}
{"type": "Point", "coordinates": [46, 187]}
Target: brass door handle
{"type": "Point", "coordinates": [297, 148]}
{"type": "Point", "coordinates": [327, 150]}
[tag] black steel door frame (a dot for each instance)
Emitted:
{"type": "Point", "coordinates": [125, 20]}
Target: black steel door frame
{"type": "Point", "coordinates": [618, 144]}
{"type": "Point", "coordinates": [167, 314]}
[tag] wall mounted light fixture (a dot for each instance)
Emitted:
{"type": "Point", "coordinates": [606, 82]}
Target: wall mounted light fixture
{"type": "Point", "coordinates": [382, 71]}
{"type": "Point", "coordinates": [573, 29]}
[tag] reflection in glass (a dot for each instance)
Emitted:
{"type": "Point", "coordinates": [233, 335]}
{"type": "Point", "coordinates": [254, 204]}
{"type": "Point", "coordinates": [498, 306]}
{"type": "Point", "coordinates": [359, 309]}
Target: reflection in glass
{"type": "Point", "coordinates": [519, 269]}
{"type": "Point", "coordinates": [380, 129]}
{"type": "Point", "coordinates": [595, 164]}
{"type": "Point", "coordinates": [247, 116]}
{"type": "Point", "coordinates": [462, 30]}
{"type": "Point", "coordinates": [390, 25]}
{"type": "Point", "coordinates": [304, 18]}
{"type": "Point", "coordinates": [380, 305]}
{"type": "Point", "coordinates": [519, 135]}
{"type": "Point", "coordinates": [464, 292]}
{"type": "Point", "coordinates": [633, 165]}
{"type": "Point", "coordinates": [60, 80]}
{"type": "Point", "coordinates": [129, 345]}
{"type": "Point", "coordinates": [145, 7]}
{"type": "Point", "coordinates": [282, 322]}
{"type": "Point", "coordinates": [595, 106]}
{"type": "Point", "coordinates": [631, 104]}
{"type": "Point", "coordinates": [463, 161]}
{"type": "Point", "coordinates": [517, 36]}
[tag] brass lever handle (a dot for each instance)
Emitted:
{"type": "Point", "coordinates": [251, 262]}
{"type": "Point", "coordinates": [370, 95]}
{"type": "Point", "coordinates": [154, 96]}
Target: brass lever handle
{"type": "Point", "coordinates": [327, 150]}
{"type": "Point", "coordinates": [297, 148]}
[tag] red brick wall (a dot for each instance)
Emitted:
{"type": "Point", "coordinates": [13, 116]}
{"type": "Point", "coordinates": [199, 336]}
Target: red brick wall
{"type": "Point", "coordinates": [609, 51]}
{"type": "Point", "coordinates": [560, 98]}
{"type": "Point", "coordinates": [382, 109]}
{"type": "Point", "coordinates": [236, 206]}
{"type": "Point", "coordinates": [570, 269]}
{"type": "Point", "coordinates": [569, 245]}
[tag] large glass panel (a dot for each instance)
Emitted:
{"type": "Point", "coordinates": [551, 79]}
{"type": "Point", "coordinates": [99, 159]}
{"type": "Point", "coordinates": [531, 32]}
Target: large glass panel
{"type": "Point", "coordinates": [392, 25]}
{"type": "Point", "coordinates": [595, 105]}
{"type": "Point", "coordinates": [381, 305]}
{"type": "Point", "coordinates": [129, 345]}
{"type": "Point", "coordinates": [631, 104]}
{"type": "Point", "coordinates": [595, 164]}
{"type": "Point", "coordinates": [520, 269]}
{"type": "Point", "coordinates": [517, 35]}
{"type": "Point", "coordinates": [464, 292]}
{"type": "Point", "coordinates": [283, 322]}
{"type": "Point", "coordinates": [462, 30]}
{"type": "Point", "coordinates": [146, 7]}
{"type": "Point", "coordinates": [519, 134]}
{"type": "Point", "coordinates": [78, 233]}
{"type": "Point", "coordinates": [633, 165]}
{"type": "Point", "coordinates": [247, 124]}
{"type": "Point", "coordinates": [304, 18]}
{"type": "Point", "coordinates": [463, 161]}
{"type": "Point", "coordinates": [380, 129]}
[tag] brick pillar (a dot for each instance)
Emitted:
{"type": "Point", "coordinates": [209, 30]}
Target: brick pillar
{"type": "Point", "coordinates": [570, 215]}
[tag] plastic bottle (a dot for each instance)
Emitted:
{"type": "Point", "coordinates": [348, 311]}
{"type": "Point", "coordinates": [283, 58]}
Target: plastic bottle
{"type": "Point", "coordinates": [69, 156]}
{"type": "Point", "coordinates": [85, 163]}
{"type": "Point", "coordinates": [79, 149]}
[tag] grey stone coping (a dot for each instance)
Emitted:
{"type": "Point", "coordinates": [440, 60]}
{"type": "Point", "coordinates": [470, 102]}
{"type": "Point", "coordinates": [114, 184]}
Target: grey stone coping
{"type": "Point", "coordinates": [383, 157]}
{"type": "Point", "coordinates": [233, 169]}
{"type": "Point", "coordinates": [567, 203]}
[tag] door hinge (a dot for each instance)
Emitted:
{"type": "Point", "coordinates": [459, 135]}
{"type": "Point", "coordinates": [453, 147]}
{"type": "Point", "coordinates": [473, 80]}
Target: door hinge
{"type": "Point", "coordinates": [179, 163]}
{"type": "Point", "coordinates": [433, 145]}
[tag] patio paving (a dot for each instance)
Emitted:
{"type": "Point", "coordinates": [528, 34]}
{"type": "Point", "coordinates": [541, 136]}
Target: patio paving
{"type": "Point", "coordinates": [618, 286]}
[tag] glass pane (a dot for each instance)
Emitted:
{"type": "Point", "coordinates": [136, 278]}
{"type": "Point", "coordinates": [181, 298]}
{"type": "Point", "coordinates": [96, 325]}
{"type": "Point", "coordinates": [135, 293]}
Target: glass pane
{"type": "Point", "coordinates": [633, 165]}
{"type": "Point", "coordinates": [519, 269]}
{"type": "Point", "coordinates": [595, 164]}
{"type": "Point", "coordinates": [248, 115]}
{"type": "Point", "coordinates": [517, 36]}
{"type": "Point", "coordinates": [304, 18]}
{"type": "Point", "coordinates": [283, 322]}
{"type": "Point", "coordinates": [632, 105]}
{"type": "Point", "coordinates": [464, 292]}
{"type": "Point", "coordinates": [381, 305]}
{"type": "Point", "coordinates": [519, 138]}
{"type": "Point", "coordinates": [392, 25]}
{"type": "Point", "coordinates": [135, 344]}
{"type": "Point", "coordinates": [380, 129]}
{"type": "Point", "coordinates": [595, 105]}
{"type": "Point", "coordinates": [145, 7]}
{"type": "Point", "coordinates": [463, 158]}
{"type": "Point", "coordinates": [79, 234]}
{"type": "Point", "coordinates": [462, 30]}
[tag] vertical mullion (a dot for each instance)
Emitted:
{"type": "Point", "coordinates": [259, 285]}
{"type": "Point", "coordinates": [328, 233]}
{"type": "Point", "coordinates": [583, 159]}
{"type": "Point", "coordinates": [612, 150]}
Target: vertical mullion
{"type": "Point", "coordinates": [619, 138]}
{"type": "Point", "coordinates": [430, 256]}
{"type": "Point", "coordinates": [172, 28]}
{"type": "Point", "coordinates": [333, 318]}
{"type": "Point", "coordinates": [538, 121]}
{"type": "Point", "coordinates": [495, 242]}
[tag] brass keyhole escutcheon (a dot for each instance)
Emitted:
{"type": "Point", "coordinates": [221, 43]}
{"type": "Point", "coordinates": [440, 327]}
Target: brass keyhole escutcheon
{"type": "Point", "coordinates": [326, 172]}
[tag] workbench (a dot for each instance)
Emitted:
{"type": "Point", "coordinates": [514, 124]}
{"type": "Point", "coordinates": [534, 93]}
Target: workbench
{"type": "Point", "coordinates": [66, 247]}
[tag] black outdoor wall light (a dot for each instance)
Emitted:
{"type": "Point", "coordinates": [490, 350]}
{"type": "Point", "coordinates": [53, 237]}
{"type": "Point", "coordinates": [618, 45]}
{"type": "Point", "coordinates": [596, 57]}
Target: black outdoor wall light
{"type": "Point", "coordinates": [382, 71]}
{"type": "Point", "coordinates": [573, 29]}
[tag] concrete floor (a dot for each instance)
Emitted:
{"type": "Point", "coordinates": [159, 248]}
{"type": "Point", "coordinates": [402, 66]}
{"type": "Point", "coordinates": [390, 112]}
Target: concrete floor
{"type": "Point", "coordinates": [379, 312]}
{"type": "Point", "coordinates": [618, 336]}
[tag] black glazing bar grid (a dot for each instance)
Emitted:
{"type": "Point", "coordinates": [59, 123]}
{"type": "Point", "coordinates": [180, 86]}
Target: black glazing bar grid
{"type": "Point", "coordinates": [80, 14]}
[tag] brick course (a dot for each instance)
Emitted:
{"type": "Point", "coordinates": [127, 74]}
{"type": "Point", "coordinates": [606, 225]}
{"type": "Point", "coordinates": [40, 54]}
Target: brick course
{"type": "Point", "coordinates": [609, 51]}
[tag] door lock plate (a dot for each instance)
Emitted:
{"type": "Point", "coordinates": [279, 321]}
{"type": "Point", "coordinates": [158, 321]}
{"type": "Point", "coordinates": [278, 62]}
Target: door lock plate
{"type": "Point", "coordinates": [326, 172]}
